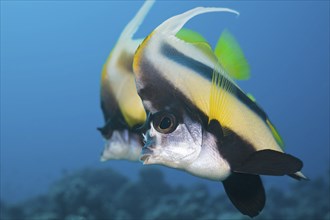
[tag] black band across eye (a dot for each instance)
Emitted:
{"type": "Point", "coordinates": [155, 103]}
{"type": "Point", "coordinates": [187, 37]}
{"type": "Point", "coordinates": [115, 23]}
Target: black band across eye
{"type": "Point", "coordinates": [164, 122]}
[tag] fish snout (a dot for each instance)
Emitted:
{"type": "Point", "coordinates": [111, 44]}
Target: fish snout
{"type": "Point", "coordinates": [147, 150]}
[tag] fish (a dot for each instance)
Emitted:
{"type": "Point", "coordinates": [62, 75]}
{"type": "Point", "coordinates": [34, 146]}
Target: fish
{"type": "Point", "coordinates": [200, 121]}
{"type": "Point", "coordinates": [121, 106]}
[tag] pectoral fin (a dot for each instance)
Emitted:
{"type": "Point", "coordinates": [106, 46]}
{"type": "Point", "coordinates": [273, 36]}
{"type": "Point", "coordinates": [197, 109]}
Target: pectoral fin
{"type": "Point", "coordinates": [270, 162]}
{"type": "Point", "coordinates": [246, 192]}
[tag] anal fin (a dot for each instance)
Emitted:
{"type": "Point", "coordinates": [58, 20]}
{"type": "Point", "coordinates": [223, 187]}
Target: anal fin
{"type": "Point", "coordinates": [270, 162]}
{"type": "Point", "coordinates": [246, 192]}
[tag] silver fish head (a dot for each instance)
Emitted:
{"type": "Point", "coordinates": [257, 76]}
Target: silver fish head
{"type": "Point", "coordinates": [122, 145]}
{"type": "Point", "coordinates": [171, 141]}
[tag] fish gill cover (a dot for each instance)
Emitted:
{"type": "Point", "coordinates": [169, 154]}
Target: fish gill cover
{"type": "Point", "coordinates": [95, 194]}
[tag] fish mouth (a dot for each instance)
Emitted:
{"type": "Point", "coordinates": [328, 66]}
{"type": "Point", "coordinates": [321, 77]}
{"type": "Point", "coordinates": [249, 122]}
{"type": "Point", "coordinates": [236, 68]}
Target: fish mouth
{"type": "Point", "coordinates": [123, 145]}
{"type": "Point", "coordinates": [146, 154]}
{"type": "Point", "coordinates": [148, 149]}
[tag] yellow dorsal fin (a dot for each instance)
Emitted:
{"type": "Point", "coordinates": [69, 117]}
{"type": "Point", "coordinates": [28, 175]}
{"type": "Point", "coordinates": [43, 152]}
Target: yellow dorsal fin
{"type": "Point", "coordinates": [205, 48]}
{"type": "Point", "coordinates": [200, 42]}
{"type": "Point", "coordinates": [275, 133]}
{"type": "Point", "coordinates": [190, 36]}
{"type": "Point", "coordinates": [231, 56]}
{"type": "Point", "coordinates": [221, 100]}
{"type": "Point", "coordinates": [197, 40]}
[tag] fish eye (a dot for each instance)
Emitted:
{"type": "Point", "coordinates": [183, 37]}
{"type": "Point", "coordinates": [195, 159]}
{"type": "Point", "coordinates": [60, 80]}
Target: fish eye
{"type": "Point", "coordinates": [164, 122]}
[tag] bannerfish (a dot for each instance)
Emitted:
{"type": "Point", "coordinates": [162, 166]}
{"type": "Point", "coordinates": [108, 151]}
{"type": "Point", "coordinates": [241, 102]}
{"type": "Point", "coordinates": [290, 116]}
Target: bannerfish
{"type": "Point", "coordinates": [121, 106]}
{"type": "Point", "coordinates": [201, 121]}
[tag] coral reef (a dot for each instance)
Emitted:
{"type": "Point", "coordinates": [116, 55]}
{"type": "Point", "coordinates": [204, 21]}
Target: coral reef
{"type": "Point", "coordinates": [95, 194]}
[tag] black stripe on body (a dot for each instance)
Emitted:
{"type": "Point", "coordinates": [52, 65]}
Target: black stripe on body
{"type": "Point", "coordinates": [245, 191]}
{"type": "Point", "coordinates": [207, 72]}
{"type": "Point", "coordinates": [114, 119]}
{"type": "Point", "coordinates": [109, 104]}
{"type": "Point", "coordinates": [231, 147]}
{"type": "Point", "coordinates": [164, 96]}
{"type": "Point", "coordinates": [244, 158]}
{"type": "Point", "coordinates": [116, 122]}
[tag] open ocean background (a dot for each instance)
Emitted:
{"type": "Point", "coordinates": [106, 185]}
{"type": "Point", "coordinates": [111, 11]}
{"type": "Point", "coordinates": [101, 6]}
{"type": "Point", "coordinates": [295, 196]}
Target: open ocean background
{"type": "Point", "coordinates": [51, 59]}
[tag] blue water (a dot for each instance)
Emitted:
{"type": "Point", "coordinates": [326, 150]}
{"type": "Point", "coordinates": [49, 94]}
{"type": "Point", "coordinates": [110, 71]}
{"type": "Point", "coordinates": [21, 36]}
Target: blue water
{"type": "Point", "coordinates": [52, 54]}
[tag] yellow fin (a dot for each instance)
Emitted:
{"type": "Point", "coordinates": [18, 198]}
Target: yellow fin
{"type": "Point", "coordinates": [231, 57]}
{"type": "Point", "coordinates": [190, 36]}
{"type": "Point", "coordinates": [205, 48]}
{"type": "Point", "coordinates": [275, 133]}
{"type": "Point", "coordinates": [221, 100]}
{"type": "Point", "coordinates": [196, 39]}
{"type": "Point", "coordinates": [251, 97]}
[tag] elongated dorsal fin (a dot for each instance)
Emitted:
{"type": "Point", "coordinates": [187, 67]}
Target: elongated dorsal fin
{"type": "Point", "coordinates": [118, 92]}
{"type": "Point", "coordinates": [135, 23]}
{"type": "Point", "coordinates": [231, 56]}
{"type": "Point", "coordinates": [175, 23]}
